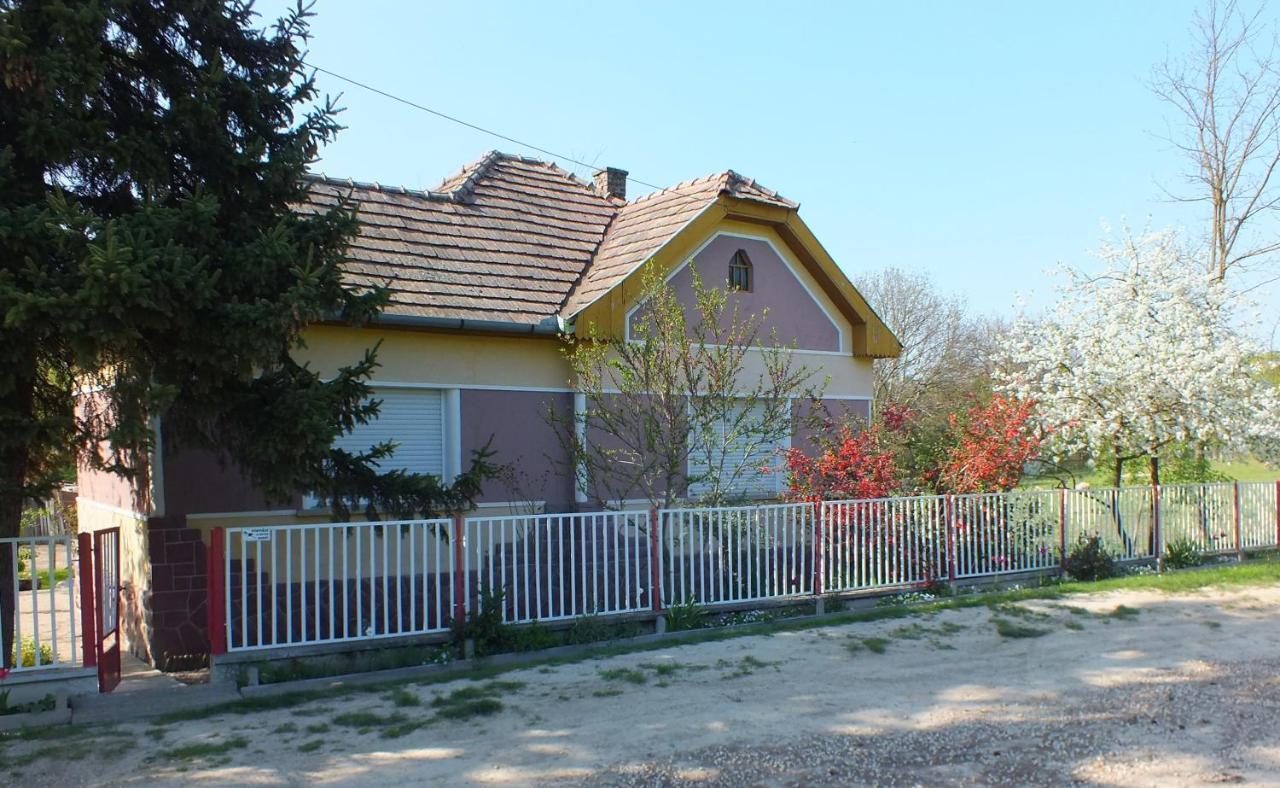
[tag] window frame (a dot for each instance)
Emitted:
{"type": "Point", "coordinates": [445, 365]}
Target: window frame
{"type": "Point", "coordinates": [740, 267]}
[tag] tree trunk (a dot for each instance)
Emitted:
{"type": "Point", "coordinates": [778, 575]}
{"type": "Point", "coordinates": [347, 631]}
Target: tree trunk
{"type": "Point", "coordinates": [14, 456]}
{"type": "Point", "coordinates": [1153, 462]}
{"type": "Point", "coordinates": [1117, 472]}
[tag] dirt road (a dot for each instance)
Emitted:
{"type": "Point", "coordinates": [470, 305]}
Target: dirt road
{"type": "Point", "coordinates": [1117, 689]}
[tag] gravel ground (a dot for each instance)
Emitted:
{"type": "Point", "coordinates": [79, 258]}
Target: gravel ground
{"type": "Point", "coordinates": [1121, 688]}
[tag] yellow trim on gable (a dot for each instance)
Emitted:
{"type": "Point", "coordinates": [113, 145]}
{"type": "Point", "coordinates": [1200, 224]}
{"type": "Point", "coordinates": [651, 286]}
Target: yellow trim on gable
{"type": "Point", "coordinates": [870, 336]}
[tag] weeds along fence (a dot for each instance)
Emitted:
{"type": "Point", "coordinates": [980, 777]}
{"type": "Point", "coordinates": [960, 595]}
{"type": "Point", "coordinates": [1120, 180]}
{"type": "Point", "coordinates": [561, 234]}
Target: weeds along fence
{"type": "Point", "coordinates": [299, 585]}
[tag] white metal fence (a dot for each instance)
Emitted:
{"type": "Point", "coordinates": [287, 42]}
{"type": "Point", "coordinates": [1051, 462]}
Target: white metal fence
{"type": "Point", "coordinates": [307, 584]}
{"type": "Point", "coordinates": [45, 603]}
{"type": "Point", "coordinates": [548, 567]}
{"type": "Point", "coordinates": [736, 554]}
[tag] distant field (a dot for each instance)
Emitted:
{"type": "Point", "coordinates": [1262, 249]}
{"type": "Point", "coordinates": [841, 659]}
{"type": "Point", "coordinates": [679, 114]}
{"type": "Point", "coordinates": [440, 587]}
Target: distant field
{"type": "Point", "coordinates": [1239, 470]}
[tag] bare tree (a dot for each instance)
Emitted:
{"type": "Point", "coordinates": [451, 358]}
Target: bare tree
{"type": "Point", "coordinates": [1226, 98]}
{"type": "Point", "coordinates": [694, 401]}
{"type": "Point", "coordinates": [938, 339]}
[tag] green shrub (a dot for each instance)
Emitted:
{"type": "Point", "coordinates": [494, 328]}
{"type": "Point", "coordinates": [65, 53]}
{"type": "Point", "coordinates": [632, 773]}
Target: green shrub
{"type": "Point", "coordinates": [1089, 560]}
{"type": "Point", "coordinates": [26, 657]}
{"type": "Point", "coordinates": [1181, 554]}
{"type": "Point", "coordinates": [685, 615]}
{"type": "Point", "coordinates": [485, 625]}
{"type": "Point", "coordinates": [533, 637]}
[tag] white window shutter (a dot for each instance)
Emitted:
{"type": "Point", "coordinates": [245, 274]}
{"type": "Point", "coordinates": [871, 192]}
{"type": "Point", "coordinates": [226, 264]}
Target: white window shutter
{"type": "Point", "coordinates": [414, 420]}
{"type": "Point", "coordinates": [750, 482]}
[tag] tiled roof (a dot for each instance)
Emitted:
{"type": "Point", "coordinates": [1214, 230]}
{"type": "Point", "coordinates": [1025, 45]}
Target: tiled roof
{"type": "Point", "coordinates": [510, 239]}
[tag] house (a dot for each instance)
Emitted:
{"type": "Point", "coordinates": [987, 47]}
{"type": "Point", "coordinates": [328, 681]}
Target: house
{"type": "Point", "coordinates": [485, 274]}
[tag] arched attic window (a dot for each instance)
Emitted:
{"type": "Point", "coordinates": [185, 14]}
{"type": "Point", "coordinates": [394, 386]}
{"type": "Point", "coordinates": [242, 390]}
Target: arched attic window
{"type": "Point", "coordinates": [740, 272]}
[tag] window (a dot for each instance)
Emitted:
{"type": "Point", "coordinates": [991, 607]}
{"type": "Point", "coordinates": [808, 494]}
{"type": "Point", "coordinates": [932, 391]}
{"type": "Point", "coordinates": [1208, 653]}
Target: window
{"type": "Point", "coordinates": [750, 482]}
{"type": "Point", "coordinates": [740, 272]}
{"type": "Point", "coordinates": [414, 420]}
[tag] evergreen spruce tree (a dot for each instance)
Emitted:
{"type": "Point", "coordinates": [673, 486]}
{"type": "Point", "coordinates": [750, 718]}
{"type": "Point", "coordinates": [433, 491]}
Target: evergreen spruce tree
{"type": "Point", "coordinates": [151, 268]}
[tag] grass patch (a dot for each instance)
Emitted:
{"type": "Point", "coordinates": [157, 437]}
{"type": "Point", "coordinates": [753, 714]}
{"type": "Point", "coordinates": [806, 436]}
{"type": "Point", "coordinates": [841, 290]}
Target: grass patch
{"type": "Point", "coordinates": [745, 666]}
{"type": "Point", "coordinates": [1212, 624]}
{"type": "Point", "coordinates": [287, 727]}
{"type": "Point", "coordinates": [403, 698]}
{"type": "Point", "coordinates": [606, 693]}
{"type": "Point", "coordinates": [189, 752]}
{"type": "Point", "coordinates": [311, 746]}
{"type": "Point", "coordinates": [368, 720]}
{"type": "Point", "coordinates": [1011, 629]}
{"type": "Point", "coordinates": [318, 727]}
{"type": "Point", "coordinates": [1074, 625]}
{"type": "Point", "coordinates": [1123, 611]}
{"type": "Point", "coordinates": [629, 675]}
{"type": "Point", "coordinates": [875, 645]}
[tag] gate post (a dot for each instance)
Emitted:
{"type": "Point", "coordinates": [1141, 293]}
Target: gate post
{"type": "Point", "coordinates": [949, 514]}
{"type": "Point", "coordinates": [88, 607]}
{"type": "Point", "coordinates": [1235, 510]}
{"type": "Point", "coordinates": [655, 556]}
{"type": "Point", "coordinates": [818, 552]}
{"type": "Point", "coordinates": [216, 605]}
{"type": "Point", "coordinates": [1278, 513]}
{"type": "Point", "coordinates": [1157, 527]}
{"type": "Point", "coordinates": [459, 579]}
{"type": "Point", "coordinates": [1062, 529]}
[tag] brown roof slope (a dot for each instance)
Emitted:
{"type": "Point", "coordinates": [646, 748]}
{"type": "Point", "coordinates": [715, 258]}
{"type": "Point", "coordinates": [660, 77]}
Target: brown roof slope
{"type": "Point", "coordinates": [503, 240]}
{"type": "Point", "coordinates": [644, 225]}
{"type": "Point", "coordinates": [509, 239]}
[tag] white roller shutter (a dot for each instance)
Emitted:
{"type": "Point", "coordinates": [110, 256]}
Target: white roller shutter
{"type": "Point", "coordinates": [750, 483]}
{"type": "Point", "coordinates": [414, 420]}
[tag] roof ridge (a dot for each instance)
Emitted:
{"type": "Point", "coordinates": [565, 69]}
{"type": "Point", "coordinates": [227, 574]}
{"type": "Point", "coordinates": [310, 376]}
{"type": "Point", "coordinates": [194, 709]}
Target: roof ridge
{"type": "Point", "coordinates": [320, 177]}
{"type": "Point", "coordinates": [681, 185]}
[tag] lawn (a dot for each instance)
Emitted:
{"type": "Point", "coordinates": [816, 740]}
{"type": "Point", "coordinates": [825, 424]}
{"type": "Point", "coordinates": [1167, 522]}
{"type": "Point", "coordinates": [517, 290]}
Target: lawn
{"type": "Point", "coordinates": [1245, 470]}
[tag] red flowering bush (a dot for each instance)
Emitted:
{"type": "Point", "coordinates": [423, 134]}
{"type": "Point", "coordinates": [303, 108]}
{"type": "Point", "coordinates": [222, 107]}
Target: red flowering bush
{"type": "Point", "coordinates": [989, 445]}
{"type": "Point", "coordinates": [856, 465]}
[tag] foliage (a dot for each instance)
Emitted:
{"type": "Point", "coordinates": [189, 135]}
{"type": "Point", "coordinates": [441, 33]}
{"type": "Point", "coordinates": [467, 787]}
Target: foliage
{"type": "Point", "coordinates": [990, 444]}
{"type": "Point", "coordinates": [1182, 554]}
{"type": "Point", "coordinates": [485, 626]}
{"type": "Point", "coordinates": [533, 637]}
{"type": "Point", "coordinates": [685, 615]}
{"type": "Point", "coordinates": [857, 465]}
{"type": "Point", "coordinates": [25, 655]}
{"type": "Point", "coordinates": [1089, 560]}
{"type": "Point", "coordinates": [152, 260]}
{"type": "Point", "coordinates": [669, 408]}
{"type": "Point", "coordinates": [1139, 358]}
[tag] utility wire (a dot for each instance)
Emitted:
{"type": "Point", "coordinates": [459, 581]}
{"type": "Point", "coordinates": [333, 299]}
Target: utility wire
{"type": "Point", "coordinates": [473, 126]}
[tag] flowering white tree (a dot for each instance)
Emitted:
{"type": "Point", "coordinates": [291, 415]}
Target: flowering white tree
{"type": "Point", "coordinates": [1143, 355]}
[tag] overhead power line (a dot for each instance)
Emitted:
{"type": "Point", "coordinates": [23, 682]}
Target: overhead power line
{"type": "Point", "coordinates": [467, 124]}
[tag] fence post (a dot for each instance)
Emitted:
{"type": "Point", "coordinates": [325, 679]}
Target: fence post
{"type": "Point", "coordinates": [1157, 528]}
{"type": "Point", "coordinates": [459, 578]}
{"type": "Point", "coordinates": [1235, 510]}
{"type": "Point", "coordinates": [818, 552]}
{"type": "Point", "coordinates": [216, 605]}
{"type": "Point", "coordinates": [88, 610]}
{"type": "Point", "coordinates": [1062, 529]}
{"type": "Point", "coordinates": [655, 556]}
{"type": "Point", "coordinates": [949, 513]}
{"type": "Point", "coordinates": [1278, 513]}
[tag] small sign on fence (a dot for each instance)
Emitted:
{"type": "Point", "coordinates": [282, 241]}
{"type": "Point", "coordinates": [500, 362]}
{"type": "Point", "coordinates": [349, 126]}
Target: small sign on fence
{"type": "Point", "coordinates": [256, 534]}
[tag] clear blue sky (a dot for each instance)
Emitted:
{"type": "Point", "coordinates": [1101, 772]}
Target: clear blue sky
{"type": "Point", "coordinates": [980, 142]}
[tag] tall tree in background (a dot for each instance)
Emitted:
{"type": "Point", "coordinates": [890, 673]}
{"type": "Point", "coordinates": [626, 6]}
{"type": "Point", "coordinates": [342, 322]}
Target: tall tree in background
{"type": "Point", "coordinates": [149, 259]}
{"type": "Point", "coordinates": [1226, 98]}
{"type": "Point", "coordinates": [1139, 358]}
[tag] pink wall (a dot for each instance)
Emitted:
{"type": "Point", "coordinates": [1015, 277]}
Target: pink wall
{"type": "Point", "coordinates": [195, 480]}
{"type": "Point", "coordinates": [792, 312]}
{"type": "Point", "coordinates": [522, 438]}
{"type": "Point", "coordinates": [835, 412]}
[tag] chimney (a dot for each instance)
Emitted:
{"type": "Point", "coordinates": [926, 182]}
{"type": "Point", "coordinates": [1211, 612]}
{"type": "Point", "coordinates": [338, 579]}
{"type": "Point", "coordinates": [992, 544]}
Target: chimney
{"type": "Point", "coordinates": [611, 182]}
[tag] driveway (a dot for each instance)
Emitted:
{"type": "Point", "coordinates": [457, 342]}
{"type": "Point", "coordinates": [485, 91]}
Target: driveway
{"type": "Point", "coordinates": [1132, 687]}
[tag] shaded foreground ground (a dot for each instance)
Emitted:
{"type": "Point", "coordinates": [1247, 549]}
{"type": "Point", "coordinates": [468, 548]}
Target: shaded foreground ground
{"type": "Point", "coordinates": [1122, 687]}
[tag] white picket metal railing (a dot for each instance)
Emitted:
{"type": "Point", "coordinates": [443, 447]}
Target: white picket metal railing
{"type": "Point", "coordinates": [882, 542]}
{"type": "Point", "coordinates": [310, 584]}
{"type": "Point", "coordinates": [729, 555]}
{"type": "Point", "coordinates": [46, 604]}
{"type": "Point", "coordinates": [304, 584]}
{"type": "Point", "coordinates": [549, 567]}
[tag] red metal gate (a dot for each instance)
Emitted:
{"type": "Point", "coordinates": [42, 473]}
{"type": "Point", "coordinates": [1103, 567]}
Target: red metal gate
{"type": "Point", "coordinates": [100, 604]}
